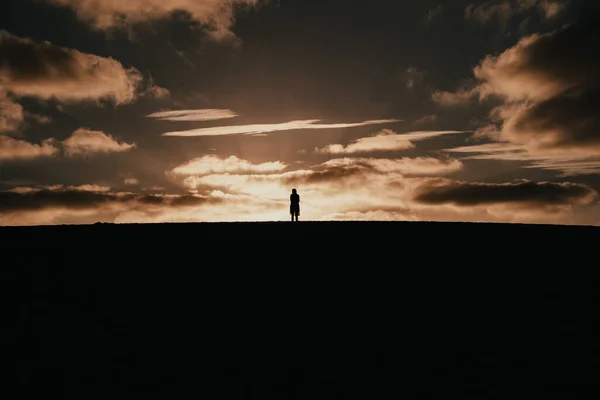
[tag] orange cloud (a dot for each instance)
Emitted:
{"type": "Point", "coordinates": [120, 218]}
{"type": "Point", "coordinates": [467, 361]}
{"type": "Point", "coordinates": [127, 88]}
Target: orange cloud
{"type": "Point", "coordinates": [105, 14]}
{"type": "Point", "coordinates": [264, 128]}
{"type": "Point", "coordinates": [132, 181]}
{"type": "Point", "coordinates": [46, 71]}
{"type": "Point", "coordinates": [461, 97]}
{"type": "Point", "coordinates": [11, 114]}
{"type": "Point", "coordinates": [419, 166]}
{"type": "Point", "coordinates": [13, 149]}
{"type": "Point", "coordinates": [338, 189]}
{"type": "Point", "coordinates": [193, 115]}
{"type": "Point", "coordinates": [57, 188]}
{"type": "Point", "coordinates": [384, 140]}
{"type": "Point", "coordinates": [85, 141]}
{"type": "Point", "coordinates": [216, 165]}
{"type": "Point", "coordinates": [567, 163]}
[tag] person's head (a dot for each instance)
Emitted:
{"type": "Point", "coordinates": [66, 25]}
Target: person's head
{"type": "Point", "coordinates": [294, 191]}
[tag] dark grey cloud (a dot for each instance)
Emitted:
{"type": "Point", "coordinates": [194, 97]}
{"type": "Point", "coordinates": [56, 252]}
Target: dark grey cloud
{"type": "Point", "coordinates": [11, 201]}
{"type": "Point", "coordinates": [443, 191]}
{"type": "Point", "coordinates": [569, 121]}
{"type": "Point", "coordinates": [44, 70]}
{"type": "Point", "coordinates": [559, 75]}
{"type": "Point", "coordinates": [549, 86]}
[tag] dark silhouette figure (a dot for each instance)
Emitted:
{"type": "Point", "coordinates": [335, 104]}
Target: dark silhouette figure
{"type": "Point", "coordinates": [294, 205]}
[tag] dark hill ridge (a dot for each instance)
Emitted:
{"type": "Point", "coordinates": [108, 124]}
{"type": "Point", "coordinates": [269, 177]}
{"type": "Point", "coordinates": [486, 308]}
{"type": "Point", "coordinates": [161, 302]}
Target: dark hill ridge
{"type": "Point", "coordinates": [278, 311]}
{"type": "Point", "coordinates": [282, 231]}
{"type": "Point", "coordinates": [426, 244]}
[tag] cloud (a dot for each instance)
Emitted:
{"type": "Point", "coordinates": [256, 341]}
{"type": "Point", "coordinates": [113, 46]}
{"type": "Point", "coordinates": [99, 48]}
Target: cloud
{"type": "Point", "coordinates": [353, 188]}
{"type": "Point", "coordinates": [568, 164]}
{"type": "Point", "coordinates": [427, 119]}
{"type": "Point", "coordinates": [81, 142]}
{"type": "Point", "coordinates": [419, 166]}
{"type": "Point", "coordinates": [193, 115]}
{"type": "Point", "coordinates": [550, 86]}
{"type": "Point", "coordinates": [461, 97]}
{"type": "Point", "coordinates": [132, 181]}
{"type": "Point", "coordinates": [412, 77]}
{"type": "Point", "coordinates": [264, 128]}
{"type": "Point", "coordinates": [215, 165]}
{"type": "Point", "coordinates": [372, 215]}
{"type": "Point", "coordinates": [444, 191]}
{"type": "Point", "coordinates": [13, 149]}
{"type": "Point", "coordinates": [60, 188]}
{"type": "Point", "coordinates": [384, 140]}
{"type": "Point", "coordinates": [540, 67]}
{"type": "Point", "coordinates": [485, 12]}
{"type": "Point", "coordinates": [503, 10]}
{"type": "Point", "coordinates": [155, 91]}
{"type": "Point", "coordinates": [343, 188]}
{"type": "Point", "coordinates": [106, 14]}
{"type": "Point", "coordinates": [46, 71]}
{"type": "Point", "coordinates": [434, 13]}
{"type": "Point", "coordinates": [77, 198]}
{"type": "Point", "coordinates": [11, 114]}
{"type": "Point", "coordinates": [551, 8]}
{"type": "Point", "coordinates": [85, 141]}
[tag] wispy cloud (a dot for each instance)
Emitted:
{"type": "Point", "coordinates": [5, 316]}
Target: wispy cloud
{"type": "Point", "coordinates": [419, 166]}
{"type": "Point", "coordinates": [384, 140]}
{"type": "Point", "coordinates": [568, 163]}
{"type": "Point", "coordinates": [60, 188]}
{"type": "Point", "coordinates": [265, 128]}
{"type": "Point", "coordinates": [427, 119]}
{"type": "Point", "coordinates": [193, 115]}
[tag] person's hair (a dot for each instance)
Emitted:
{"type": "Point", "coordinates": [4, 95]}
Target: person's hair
{"type": "Point", "coordinates": [293, 190]}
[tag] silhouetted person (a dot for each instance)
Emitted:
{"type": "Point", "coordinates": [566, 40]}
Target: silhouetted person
{"type": "Point", "coordinates": [294, 205]}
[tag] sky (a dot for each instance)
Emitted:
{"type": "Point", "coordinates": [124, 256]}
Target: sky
{"type": "Point", "coordinates": [145, 111]}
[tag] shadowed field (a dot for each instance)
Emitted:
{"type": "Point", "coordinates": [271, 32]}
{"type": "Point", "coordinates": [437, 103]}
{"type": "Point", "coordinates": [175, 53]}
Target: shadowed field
{"type": "Point", "coordinates": [324, 310]}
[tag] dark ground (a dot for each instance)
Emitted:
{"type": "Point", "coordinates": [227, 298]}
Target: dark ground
{"type": "Point", "coordinates": [307, 311]}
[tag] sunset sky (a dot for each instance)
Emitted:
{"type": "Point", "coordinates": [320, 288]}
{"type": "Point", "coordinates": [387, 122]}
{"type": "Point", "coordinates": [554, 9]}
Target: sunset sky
{"type": "Point", "coordinates": [213, 110]}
